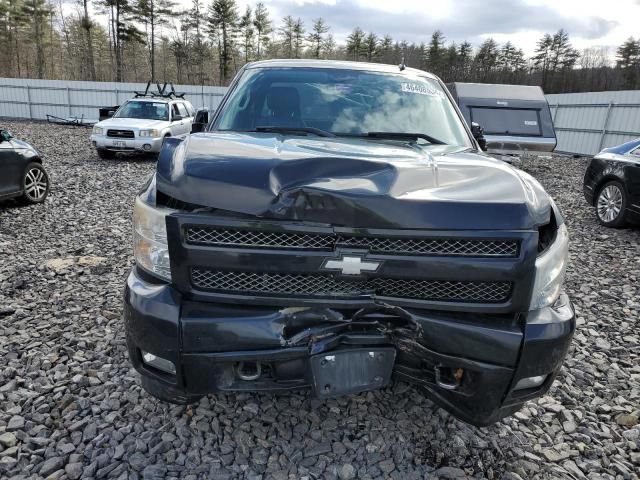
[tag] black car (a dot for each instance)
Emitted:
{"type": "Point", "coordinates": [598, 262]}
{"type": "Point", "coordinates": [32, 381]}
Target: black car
{"type": "Point", "coordinates": [22, 175]}
{"type": "Point", "coordinates": [612, 184]}
{"type": "Point", "coordinates": [335, 226]}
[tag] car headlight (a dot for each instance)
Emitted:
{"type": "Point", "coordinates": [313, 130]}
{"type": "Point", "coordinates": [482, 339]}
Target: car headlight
{"type": "Point", "coordinates": [98, 130]}
{"type": "Point", "coordinates": [550, 269]}
{"type": "Point", "coordinates": [150, 247]}
{"type": "Point", "coordinates": [149, 133]}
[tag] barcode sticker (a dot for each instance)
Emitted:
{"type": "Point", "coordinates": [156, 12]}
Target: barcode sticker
{"type": "Point", "coordinates": [420, 89]}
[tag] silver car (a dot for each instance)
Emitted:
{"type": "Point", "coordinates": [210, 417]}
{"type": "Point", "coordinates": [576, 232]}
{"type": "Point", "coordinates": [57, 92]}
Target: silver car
{"type": "Point", "coordinates": [141, 125]}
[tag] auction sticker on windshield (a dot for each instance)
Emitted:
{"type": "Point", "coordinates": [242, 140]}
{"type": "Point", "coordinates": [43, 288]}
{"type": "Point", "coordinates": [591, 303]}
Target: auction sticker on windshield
{"type": "Point", "coordinates": [420, 88]}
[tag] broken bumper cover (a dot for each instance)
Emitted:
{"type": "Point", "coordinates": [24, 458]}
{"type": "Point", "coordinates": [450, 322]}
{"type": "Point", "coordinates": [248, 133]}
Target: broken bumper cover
{"type": "Point", "coordinates": [467, 366]}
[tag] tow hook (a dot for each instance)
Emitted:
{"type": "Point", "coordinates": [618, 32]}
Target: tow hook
{"type": "Point", "coordinates": [448, 378]}
{"type": "Point", "coordinates": [249, 371]}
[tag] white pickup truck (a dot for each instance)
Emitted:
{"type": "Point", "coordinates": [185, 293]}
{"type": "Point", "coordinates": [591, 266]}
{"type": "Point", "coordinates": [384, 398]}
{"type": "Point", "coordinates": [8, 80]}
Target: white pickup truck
{"type": "Point", "coordinates": [141, 125]}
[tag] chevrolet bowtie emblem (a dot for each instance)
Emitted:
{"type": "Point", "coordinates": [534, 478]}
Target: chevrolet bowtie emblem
{"type": "Point", "coordinates": [351, 265]}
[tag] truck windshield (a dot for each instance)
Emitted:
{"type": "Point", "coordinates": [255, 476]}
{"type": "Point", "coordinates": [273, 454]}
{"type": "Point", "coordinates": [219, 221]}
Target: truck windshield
{"type": "Point", "coordinates": [342, 102]}
{"type": "Point", "coordinates": [145, 110]}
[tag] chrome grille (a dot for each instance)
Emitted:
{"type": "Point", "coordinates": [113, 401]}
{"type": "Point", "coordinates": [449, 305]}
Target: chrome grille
{"type": "Point", "coordinates": [434, 246]}
{"type": "Point", "coordinates": [258, 239]}
{"type": "Point", "coordinates": [226, 237]}
{"type": "Point", "coordinates": [323, 285]}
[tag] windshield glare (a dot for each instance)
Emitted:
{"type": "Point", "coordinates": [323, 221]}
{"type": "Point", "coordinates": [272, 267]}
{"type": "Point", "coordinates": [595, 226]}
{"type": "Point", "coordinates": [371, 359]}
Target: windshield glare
{"type": "Point", "coordinates": [343, 102]}
{"type": "Point", "coordinates": [144, 110]}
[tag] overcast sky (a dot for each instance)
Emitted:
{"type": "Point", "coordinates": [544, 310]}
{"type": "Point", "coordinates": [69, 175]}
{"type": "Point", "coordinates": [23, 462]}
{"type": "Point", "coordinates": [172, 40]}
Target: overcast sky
{"type": "Point", "coordinates": [589, 22]}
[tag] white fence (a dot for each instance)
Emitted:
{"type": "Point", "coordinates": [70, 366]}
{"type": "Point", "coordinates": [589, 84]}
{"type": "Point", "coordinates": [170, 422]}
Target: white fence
{"type": "Point", "coordinates": [585, 123]}
{"type": "Point", "coordinates": [35, 99]}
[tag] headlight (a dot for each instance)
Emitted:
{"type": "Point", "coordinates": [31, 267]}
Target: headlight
{"type": "Point", "coordinates": [149, 133]}
{"type": "Point", "coordinates": [98, 130]}
{"type": "Point", "coordinates": [150, 238]}
{"type": "Point", "coordinates": [550, 268]}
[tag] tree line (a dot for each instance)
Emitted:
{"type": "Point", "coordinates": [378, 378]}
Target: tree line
{"type": "Point", "coordinates": [207, 43]}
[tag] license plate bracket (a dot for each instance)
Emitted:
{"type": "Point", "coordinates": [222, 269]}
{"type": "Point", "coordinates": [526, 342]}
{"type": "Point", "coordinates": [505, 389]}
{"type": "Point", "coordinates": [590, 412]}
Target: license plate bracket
{"type": "Point", "coordinates": [344, 372]}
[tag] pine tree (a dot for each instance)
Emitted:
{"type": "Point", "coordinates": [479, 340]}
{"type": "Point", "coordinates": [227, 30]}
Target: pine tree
{"type": "Point", "coordinates": [317, 36]}
{"type": "Point", "coordinates": [564, 55]}
{"type": "Point", "coordinates": [196, 20]}
{"type": "Point", "coordinates": [451, 62]}
{"type": "Point", "coordinates": [435, 53]}
{"type": "Point", "coordinates": [246, 30]}
{"type": "Point", "coordinates": [371, 47]}
{"type": "Point", "coordinates": [486, 59]}
{"type": "Point", "coordinates": [465, 59]}
{"type": "Point", "coordinates": [262, 23]}
{"type": "Point", "coordinates": [385, 49]}
{"type": "Point", "coordinates": [355, 44]}
{"type": "Point", "coordinates": [223, 22]}
{"type": "Point", "coordinates": [87, 25]}
{"type": "Point", "coordinates": [329, 47]}
{"type": "Point", "coordinates": [38, 12]}
{"type": "Point", "coordinates": [13, 22]}
{"type": "Point", "coordinates": [542, 58]}
{"type": "Point", "coordinates": [628, 60]}
{"type": "Point", "coordinates": [554, 54]}
{"type": "Point", "coordinates": [122, 30]}
{"type": "Point", "coordinates": [286, 35]}
{"type": "Point", "coordinates": [298, 37]}
{"type": "Point", "coordinates": [152, 14]}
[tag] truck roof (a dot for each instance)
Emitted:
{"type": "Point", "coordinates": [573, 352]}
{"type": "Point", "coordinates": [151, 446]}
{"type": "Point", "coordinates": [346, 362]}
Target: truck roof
{"type": "Point", "coordinates": [364, 66]}
{"type": "Point", "coordinates": [491, 90]}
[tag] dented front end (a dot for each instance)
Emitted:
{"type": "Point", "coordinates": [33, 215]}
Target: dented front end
{"type": "Point", "coordinates": [337, 265]}
{"type": "Point", "coordinates": [257, 305]}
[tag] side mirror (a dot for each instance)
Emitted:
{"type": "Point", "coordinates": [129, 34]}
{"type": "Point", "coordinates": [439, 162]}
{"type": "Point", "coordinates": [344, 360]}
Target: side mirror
{"type": "Point", "coordinates": [478, 133]}
{"type": "Point", "coordinates": [200, 121]}
{"type": "Point", "coordinates": [5, 135]}
{"type": "Point", "coordinates": [106, 112]}
{"type": "Point", "coordinates": [177, 118]}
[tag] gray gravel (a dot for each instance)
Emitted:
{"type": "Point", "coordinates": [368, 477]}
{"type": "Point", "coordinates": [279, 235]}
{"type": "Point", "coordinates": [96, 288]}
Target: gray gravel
{"type": "Point", "coordinates": [70, 405]}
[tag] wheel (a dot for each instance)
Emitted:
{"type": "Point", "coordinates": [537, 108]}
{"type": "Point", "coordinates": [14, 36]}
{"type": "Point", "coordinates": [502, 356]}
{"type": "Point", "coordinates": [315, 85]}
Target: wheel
{"type": "Point", "coordinates": [35, 184]}
{"type": "Point", "coordinates": [167, 393]}
{"type": "Point", "coordinates": [611, 203]}
{"type": "Point", "coordinates": [106, 154]}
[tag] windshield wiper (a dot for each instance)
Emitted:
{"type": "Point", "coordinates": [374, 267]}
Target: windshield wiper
{"type": "Point", "coordinates": [405, 136]}
{"type": "Point", "coordinates": [314, 131]}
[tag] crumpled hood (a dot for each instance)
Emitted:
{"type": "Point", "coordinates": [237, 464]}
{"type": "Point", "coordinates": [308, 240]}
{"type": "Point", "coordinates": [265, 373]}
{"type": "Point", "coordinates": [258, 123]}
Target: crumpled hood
{"type": "Point", "coordinates": [349, 182]}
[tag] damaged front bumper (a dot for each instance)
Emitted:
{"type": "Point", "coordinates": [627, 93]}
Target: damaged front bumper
{"type": "Point", "coordinates": [470, 364]}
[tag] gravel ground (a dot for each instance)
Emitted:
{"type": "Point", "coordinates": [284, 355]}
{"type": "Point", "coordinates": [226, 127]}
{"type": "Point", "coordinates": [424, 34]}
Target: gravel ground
{"type": "Point", "coordinates": [70, 405]}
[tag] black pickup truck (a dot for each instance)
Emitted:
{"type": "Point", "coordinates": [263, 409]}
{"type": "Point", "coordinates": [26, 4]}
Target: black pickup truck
{"type": "Point", "coordinates": [334, 226]}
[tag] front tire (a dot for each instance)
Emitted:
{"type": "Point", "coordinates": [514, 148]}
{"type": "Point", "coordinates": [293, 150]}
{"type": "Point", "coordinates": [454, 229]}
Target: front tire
{"type": "Point", "coordinates": [611, 203]}
{"type": "Point", "coordinates": [35, 184]}
{"type": "Point", "coordinates": [167, 393]}
{"type": "Point", "coordinates": [106, 154]}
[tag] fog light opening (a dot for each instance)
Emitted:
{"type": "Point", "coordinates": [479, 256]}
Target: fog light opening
{"type": "Point", "coordinates": [530, 382]}
{"type": "Point", "coordinates": [249, 371]}
{"type": "Point", "coordinates": [159, 363]}
{"type": "Point", "coordinates": [448, 378]}
{"type": "Point", "coordinates": [147, 147]}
